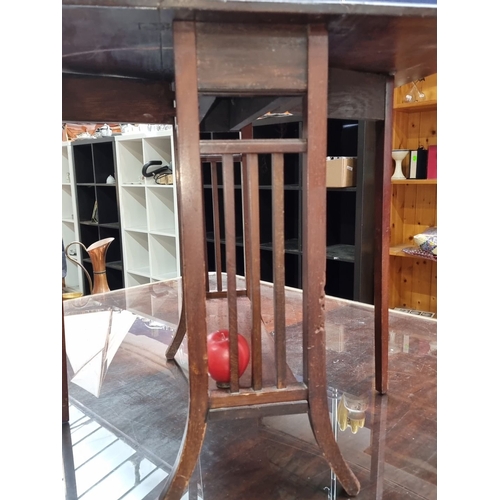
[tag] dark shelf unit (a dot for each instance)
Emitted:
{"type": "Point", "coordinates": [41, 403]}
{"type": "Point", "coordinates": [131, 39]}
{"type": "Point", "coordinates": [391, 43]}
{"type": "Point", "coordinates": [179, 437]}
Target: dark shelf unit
{"type": "Point", "coordinates": [349, 221]}
{"type": "Point", "coordinates": [94, 161]}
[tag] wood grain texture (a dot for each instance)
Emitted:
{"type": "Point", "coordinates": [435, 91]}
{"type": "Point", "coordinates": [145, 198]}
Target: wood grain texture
{"type": "Point", "coordinates": [353, 95]}
{"type": "Point", "coordinates": [228, 53]}
{"type": "Point", "coordinates": [413, 284]}
{"type": "Point", "coordinates": [99, 99]}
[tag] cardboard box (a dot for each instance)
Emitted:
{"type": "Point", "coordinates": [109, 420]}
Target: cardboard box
{"type": "Point", "coordinates": [340, 171]}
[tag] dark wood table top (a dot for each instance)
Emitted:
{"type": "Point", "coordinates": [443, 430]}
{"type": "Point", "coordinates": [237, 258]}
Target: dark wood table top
{"type": "Point", "coordinates": [133, 38]}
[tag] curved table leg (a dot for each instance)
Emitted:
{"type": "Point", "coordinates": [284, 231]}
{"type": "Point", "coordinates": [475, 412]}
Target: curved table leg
{"type": "Point", "coordinates": [192, 442]}
{"type": "Point", "coordinates": [178, 337]}
{"type": "Point", "coordinates": [321, 425]}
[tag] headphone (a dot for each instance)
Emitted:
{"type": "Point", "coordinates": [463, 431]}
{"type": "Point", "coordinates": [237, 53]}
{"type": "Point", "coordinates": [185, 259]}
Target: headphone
{"type": "Point", "coordinates": [159, 173]}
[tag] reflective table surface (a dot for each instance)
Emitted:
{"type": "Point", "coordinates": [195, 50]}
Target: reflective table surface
{"type": "Point", "coordinates": [128, 406]}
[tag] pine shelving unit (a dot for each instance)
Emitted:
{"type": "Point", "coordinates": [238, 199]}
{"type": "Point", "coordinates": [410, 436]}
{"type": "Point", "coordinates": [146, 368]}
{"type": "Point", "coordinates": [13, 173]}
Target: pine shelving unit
{"type": "Point", "coordinates": [413, 279]}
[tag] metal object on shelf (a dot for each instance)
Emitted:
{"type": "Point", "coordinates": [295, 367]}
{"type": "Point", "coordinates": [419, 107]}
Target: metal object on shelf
{"type": "Point", "coordinates": [97, 253]}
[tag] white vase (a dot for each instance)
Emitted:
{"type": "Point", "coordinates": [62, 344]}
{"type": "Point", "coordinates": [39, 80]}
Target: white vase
{"type": "Point", "coordinates": [398, 155]}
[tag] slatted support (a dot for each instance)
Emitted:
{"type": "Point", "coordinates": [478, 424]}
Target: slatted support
{"type": "Point", "coordinates": [252, 259]}
{"type": "Point", "coordinates": [279, 268]}
{"type": "Point", "coordinates": [216, 218]}
{"type": "Point", "coordinates": [230, 234]}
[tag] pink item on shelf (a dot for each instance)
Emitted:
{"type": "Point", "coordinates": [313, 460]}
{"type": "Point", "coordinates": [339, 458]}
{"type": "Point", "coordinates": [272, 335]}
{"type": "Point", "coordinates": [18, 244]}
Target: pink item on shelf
{"type": "Point", "coordinates": [432, 163]}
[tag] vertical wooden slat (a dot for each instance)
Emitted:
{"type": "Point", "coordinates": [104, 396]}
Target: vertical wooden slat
{"type": "Point", "coordinates": [383, 173]}
{"type": "Point", "coordinates": [279, 268]}
{"type": "Point", "coordinates": [245, 134]}
{"type": "Point", "coordinates": [205, 247]}
{"type": "Point", "coordinates": [216, 215]}
{"type": "Point", "coordinates": [230, 233]}
{"type": "Point", "coordinates": [250, 181]}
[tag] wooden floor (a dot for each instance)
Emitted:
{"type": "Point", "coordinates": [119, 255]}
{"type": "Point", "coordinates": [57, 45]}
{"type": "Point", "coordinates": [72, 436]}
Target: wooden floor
{"type": "Point", "coordinates": [122, 443]}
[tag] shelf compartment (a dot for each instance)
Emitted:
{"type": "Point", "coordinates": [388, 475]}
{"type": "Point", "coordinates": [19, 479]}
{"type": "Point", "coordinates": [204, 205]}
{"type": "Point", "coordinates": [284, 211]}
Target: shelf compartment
{"type": "Point", "coordinates": [114, 277]}
{"type": "Point", "coordinates": [85, 196]}
{"type": "Point", "coordinates": [133, 208]}
{"type": "Point", "coordinates": [130, 158]}
{"type": "Point", "coordinates": [133, 279]}
{"type": "Point", "coordinates": [107, 205]}
{"type": "Point", "coordinates": [397, 251]}
{"type": "Point", "coordinates": [104, 162]}
{"type": "Point", "coordinates": [163, 257]}
{"type": "Point", "coordinates": [67, 203]}
{"type": "Point", "coordinates": [341, 218]}
{"type": "Point", "coordinates": [114, 250]}
{"type": "Point", "coordinates": [413, 283]}
{"type": "Point", "coordinates": [343, 253]}
{"type": "Point", "coordinates": [157, 148]}
{"type": "Point", "coordinates": [291, 246]}
{"type": "Point", "coordinates": [115, 265]}
{"type": "Point", "coordinates": [413, 211]}
{"type": "Point", "coordinates": [83, 164]}
{"type": "Point", "coordinates": [339, 279]}
{"type": "Point", "coordinates": [161, 210]}
{"type": "Point", "coordinates": [88, 234]}
{"type": "Point", "coordinates": [137, 252]}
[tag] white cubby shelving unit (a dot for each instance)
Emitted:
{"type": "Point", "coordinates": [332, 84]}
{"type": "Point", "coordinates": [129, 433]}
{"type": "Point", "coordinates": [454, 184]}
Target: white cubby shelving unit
{"type": "Point", "coordinates": [70, 230]}
{"type": "Point", "coordinates": [148, 211]}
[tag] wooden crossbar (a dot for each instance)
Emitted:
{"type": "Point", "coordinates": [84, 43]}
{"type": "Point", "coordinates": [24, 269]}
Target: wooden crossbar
{"type": "Point", "coordinates": [245, 146]}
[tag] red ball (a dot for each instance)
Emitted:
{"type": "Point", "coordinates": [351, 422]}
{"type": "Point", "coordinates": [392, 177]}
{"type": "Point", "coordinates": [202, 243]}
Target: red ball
{"type": "Point", "coordinates": [218, 355]}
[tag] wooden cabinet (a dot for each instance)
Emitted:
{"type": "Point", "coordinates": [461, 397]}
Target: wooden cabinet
{"type": "Point", "coordinates": [413, 280]}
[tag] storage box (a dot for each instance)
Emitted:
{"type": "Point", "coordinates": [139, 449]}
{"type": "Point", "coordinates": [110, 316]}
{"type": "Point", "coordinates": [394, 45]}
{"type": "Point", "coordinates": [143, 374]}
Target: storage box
{"type": "Point", "coordinates": [340, 171]}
